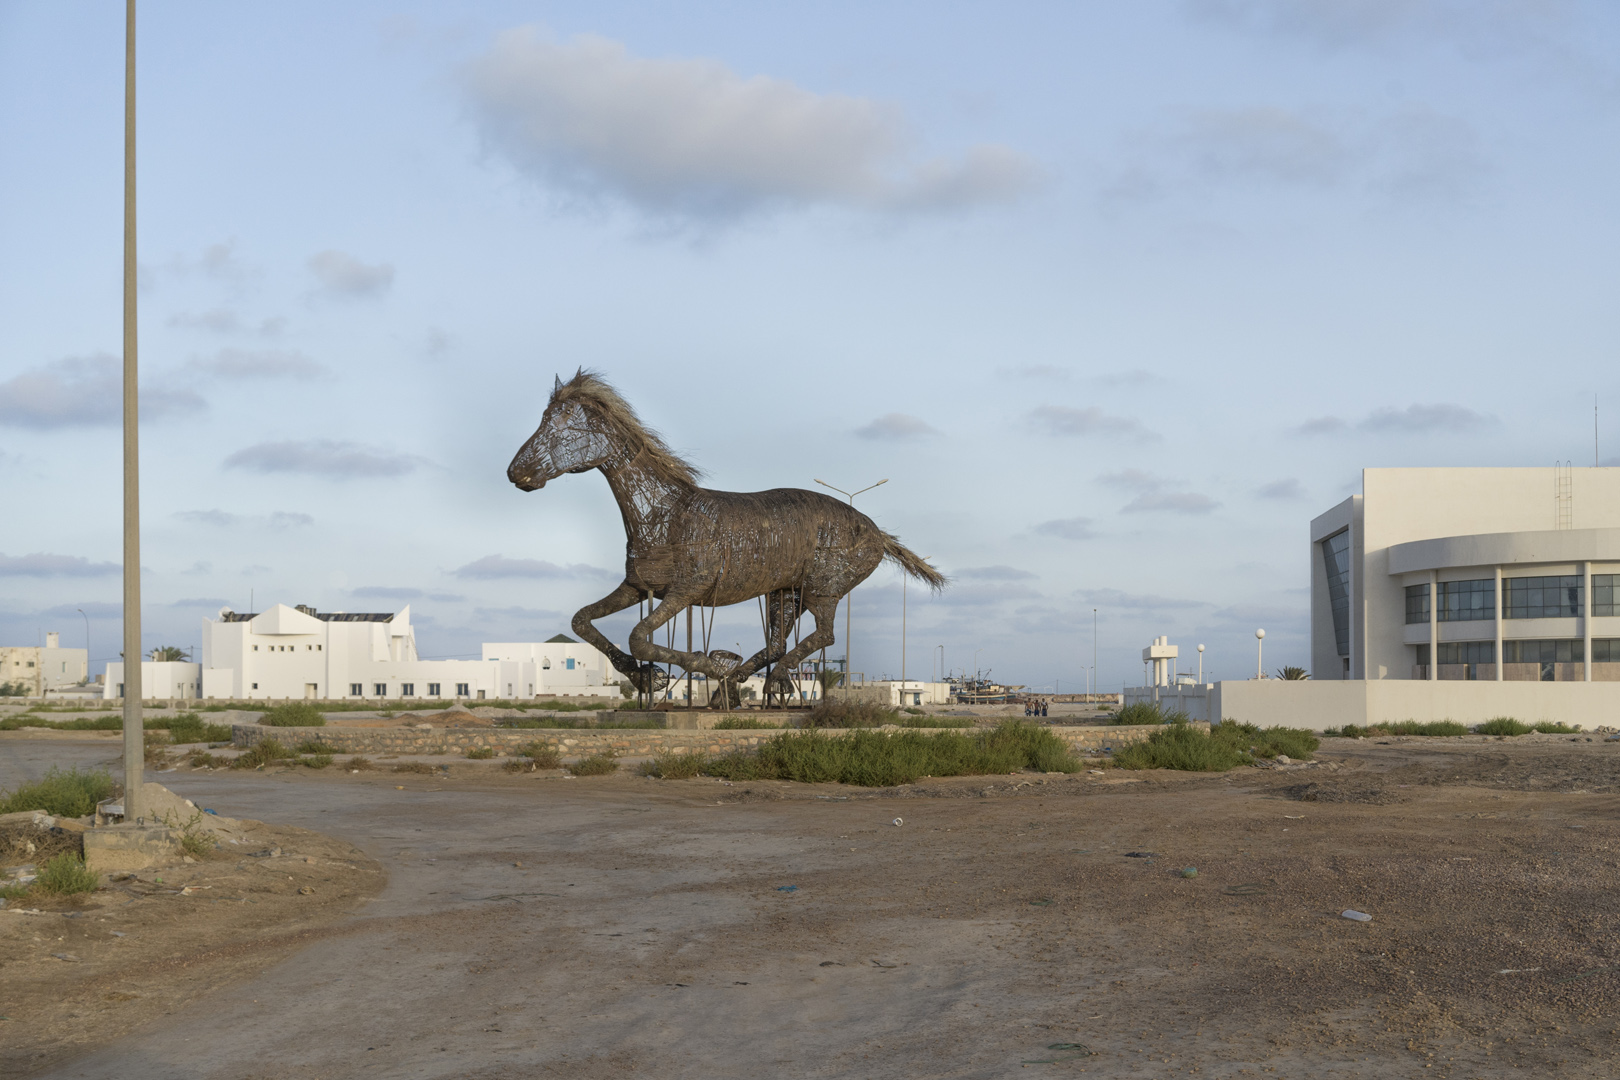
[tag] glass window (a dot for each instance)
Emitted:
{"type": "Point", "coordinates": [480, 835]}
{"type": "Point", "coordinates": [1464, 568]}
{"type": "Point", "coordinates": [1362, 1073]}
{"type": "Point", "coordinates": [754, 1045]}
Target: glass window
{"type": "Point", "coordinates": [1603, 594]}
{"type": "Point", "coordinates": [1551, 651]}
{"type": "Point", "coordinates": [1605, 650]}
{"type": "Point", "coordinates": [407, 689]}
{"type": "Point", "coordinates": [433, 689]}
{"type": "Point", "coordinates": [1417, 603]}
{"type": "Point", "coordinates": [1542, 597]}
{"type": "Point", "coordinates": [357, 689]}
{"type": "Point", "coordinates": [570, 663]}
{"type": "Point", "coordinates": [1467, 652]}
{"type": "Point", "coordinates": [1465, 601]}
{"type": "Point", "coordinates": [381, 689]}
{"type": "Point", "coordinates": [1336, 560]}
{"type": "Point", "coordinates": [461, 689]}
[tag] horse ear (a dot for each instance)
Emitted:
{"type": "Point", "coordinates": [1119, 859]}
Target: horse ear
{"type": "Point", "coordinates": [558, 379]}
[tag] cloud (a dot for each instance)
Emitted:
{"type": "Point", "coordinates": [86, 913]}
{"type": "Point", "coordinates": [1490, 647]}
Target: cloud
{"type": "Point", "coordinates": [219, 321]}
{"type": "Point", "coordinates": [1282, 489]}
{"type": "Point", "coordinates": [243, 364]}
{"type": "Point", "coordinates": [94, 609]}
{"type": "Point", "coordinates": [1413, 420]}
{"type": "Point", "coordinates": [995, 573]}
{"type": "Point", "coordinates": [1049, 372]}
{"type": "Point", "coordinates": [1266, 143]}
{"type": "Point", "coordinates": [1133, 377]}
{"type": "Point", "coordinates": [343, 275]}
{"type": "Point", "coordinates": [693, 139]}
{"type": "Point", "coordinates": [1075, 528]}
{"type": "Point", "coordinates": [1133, 479]}
{"type": "Point", "coordinates": [83, 391]}
{"type": "Point", "coordinates": [39, 564]}
{"type": "Point", "coordinates": [1342, 24]}
{"type": "Point", "coordinates": [896, 427]}
{"type": "Point", "coordinates": [385, 592]}
{"type": "Point", "coordinates": [491, 567]}
{"type": "Point", "coordinates": [323, 457]}
{"type": "Point", "coordinates": [517, 613]}
{"type": "Point", "coordinates": [1179, 502]}
{"type": "Point", "coordinates": [278, 519]}
{"type": "Point", "coordinates": [1062, 420]}
{"type": "Point", "coordinates": [1114, 598]}
{"type": "Point", "coordinates": [201, 602]}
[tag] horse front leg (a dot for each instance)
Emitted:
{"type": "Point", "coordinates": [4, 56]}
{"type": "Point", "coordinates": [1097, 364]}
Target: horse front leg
{"type": "Point", "coordinates": [583, 624]}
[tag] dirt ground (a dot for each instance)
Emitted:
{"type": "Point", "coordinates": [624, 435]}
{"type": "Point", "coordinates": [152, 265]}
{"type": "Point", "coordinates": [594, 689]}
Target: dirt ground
{"type": "Point", "coordinates": [596, 927]}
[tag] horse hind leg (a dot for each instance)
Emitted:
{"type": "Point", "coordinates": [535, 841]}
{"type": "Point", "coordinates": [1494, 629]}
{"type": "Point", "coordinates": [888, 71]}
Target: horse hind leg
{"type": "Point", "coordinates": [824, 609]}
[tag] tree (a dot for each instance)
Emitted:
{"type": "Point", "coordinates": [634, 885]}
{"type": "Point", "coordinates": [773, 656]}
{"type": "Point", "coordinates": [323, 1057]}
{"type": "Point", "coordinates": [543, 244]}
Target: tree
{"type": "Point", "coordinates": [1293, 674]}
{"type": "Point", "coordinates": [169, 653]}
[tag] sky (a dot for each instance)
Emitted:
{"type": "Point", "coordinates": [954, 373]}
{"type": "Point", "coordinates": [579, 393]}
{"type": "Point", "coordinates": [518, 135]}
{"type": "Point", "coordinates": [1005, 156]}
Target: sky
{"type": "Point", "coordinates": [1116, 297]}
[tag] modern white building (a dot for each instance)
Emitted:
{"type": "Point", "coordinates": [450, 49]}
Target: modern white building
{"type": "Point", "coordinates": [298, 652]}
{"type": "Point", "coordinates": [37, 669]}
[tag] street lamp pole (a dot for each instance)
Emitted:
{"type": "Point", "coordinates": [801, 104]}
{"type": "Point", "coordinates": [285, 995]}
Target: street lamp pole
{"type": "Point", "coordinates": [1094, 648]}
{"type": "Point", "coordinates": [86, 646]}
{"type": "Point", "coordinates": [1259, 654]}
{"type": "Point", "coordinates": [134, 735]}
{"type": "Point", "coordinates": [849, 600]}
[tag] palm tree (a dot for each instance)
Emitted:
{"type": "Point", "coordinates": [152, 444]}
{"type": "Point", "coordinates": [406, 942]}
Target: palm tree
{"type": "Point", "coordinates": [171, 653]}
{"type": "Point", "coordinates": [1293, 674]}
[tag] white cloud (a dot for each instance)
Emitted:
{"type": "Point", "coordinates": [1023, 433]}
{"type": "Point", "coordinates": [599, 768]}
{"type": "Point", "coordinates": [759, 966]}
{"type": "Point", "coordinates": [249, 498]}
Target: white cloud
{"type": "Point", "coordinates": [40, 564]}
{"type": "Point", "coordinates": [1441, 418]}
{"type": "Point", "coordinates": [385, 592]}
{"type": "Point", "coordinates": [896, 427]}
{"type": "Point", "coordinates": [1179, 502]}
{"type": "Point", "coordinates": [242, 364]}
{"type": "Point", "coordinates": [1062, 420]}
{"type": "Point", "coordinates": [1075, 528]}
{"type": "Point", "coordinates": [343, 275]}
{"type": "Point", "coordinates": [1287, 489]}
{"type": "Point", "coordinates": [1048, 372]}
{"type": "Point", "coordinates": [995, 573]}
{"type": "Point", "coordinates": [278, 519]}
{"type": "Point", "coordinates": [218, 320]}
{"type": "Point", "coordinates": [499, 566]}
{"type": "Point", "coordinates": [1266, 143]}
{"type": "Point", "coordinates": [84, 391]}
{"type": "Point", "coordinates": [323, 457]}
{"type": "Point", "coordinates": [693, 139]}
{"type": "Point", "coordinates": [1115, 598]}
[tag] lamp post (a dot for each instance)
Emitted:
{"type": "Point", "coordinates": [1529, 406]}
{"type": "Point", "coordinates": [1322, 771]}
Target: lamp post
{"type": "Point", "coordinates": [134, 735]}
{"type": "Point", "coordinates": [1200, 665]}
{"type": "Point", "coordinates": [849, 600]}
{"type": "Point", "coordinates": [941, 676]}
{"type": "Point", "coordinates": [1259, 653]}
{"type": "Point", "coordinates": [1093, 646]}
{"type": "Point", "coordinates": [86, 645]}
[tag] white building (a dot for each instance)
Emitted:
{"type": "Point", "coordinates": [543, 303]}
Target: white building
{"type": "Point", "coordinates": [298, 652]}
{"type": "Point", "coordinates": [1450, 594]}
{"type": "Point", "coordinates": [41, 668]}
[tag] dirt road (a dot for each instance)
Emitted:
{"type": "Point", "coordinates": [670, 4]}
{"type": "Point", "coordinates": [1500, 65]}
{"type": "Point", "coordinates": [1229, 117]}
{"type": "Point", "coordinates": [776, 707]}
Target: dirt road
{"type": "Point", "coordinates": [618, 925]}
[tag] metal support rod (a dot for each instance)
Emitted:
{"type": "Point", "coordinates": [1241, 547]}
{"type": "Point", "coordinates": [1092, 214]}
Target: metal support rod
{"type": "Point", "coordinates": [134, 735]}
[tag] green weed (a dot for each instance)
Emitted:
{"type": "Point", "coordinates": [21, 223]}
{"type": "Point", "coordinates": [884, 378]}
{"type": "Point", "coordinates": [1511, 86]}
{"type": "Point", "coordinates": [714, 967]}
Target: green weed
{"type": "Point", "coordinates": [1436, 728]}
{"type": "Point", "coordinates": [544, 755]}
{"type": "Point", "coordinates": [1226, 746]}
{"type": "Point", "coordinates": [595, 765]}
{"type": "Point", "coordinates": [63, 794]}
{"type": "Point", "coordinates": [264, 752]}
{"type": "Point", "coordinates": [670, 766]}
{"type": "Point", "coordinates": [293, 714]}
{"type": "Point", "coordinates": [743, 723]}
{"type": "Point", "coordinates": [1146, 712]}
{"type": "Point", "coordinates": [65, 875]}
{"type": "Point", "coordinates": [846, 714]}
{"type": "Point", "coordinates": [313, 746]}
{"type": "Point", "coordinates": [481, 753]}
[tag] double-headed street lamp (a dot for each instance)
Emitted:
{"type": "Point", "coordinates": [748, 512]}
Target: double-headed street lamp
{"type": "Point", "coordinates": [849, 611]}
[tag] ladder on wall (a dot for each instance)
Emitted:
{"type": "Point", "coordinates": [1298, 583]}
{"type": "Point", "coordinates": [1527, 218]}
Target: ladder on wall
{"type": "Point", "coordinates": [1563, 496]}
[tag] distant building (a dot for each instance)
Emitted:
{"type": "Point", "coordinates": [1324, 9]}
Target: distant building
{"type": "Point", "coordinates": [298, 652]}
{"type": "Point", "coordinates": [32, 670]}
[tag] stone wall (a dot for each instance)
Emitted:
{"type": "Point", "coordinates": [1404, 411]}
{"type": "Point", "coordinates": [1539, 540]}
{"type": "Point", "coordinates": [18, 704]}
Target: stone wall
{"type": "Point", "coordinates": [626, 742]}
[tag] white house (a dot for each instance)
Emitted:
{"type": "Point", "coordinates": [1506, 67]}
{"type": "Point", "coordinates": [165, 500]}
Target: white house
{"type": "Point", "coordinates": [41, 668]}
{"type": "Point", "coordinates": [298, 652]}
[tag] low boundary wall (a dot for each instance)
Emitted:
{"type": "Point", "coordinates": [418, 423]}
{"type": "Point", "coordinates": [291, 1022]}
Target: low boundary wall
{"type": "Point", "coordinates": [1334, 703]}
{"type": "Point", "coordinates": [627, 742]}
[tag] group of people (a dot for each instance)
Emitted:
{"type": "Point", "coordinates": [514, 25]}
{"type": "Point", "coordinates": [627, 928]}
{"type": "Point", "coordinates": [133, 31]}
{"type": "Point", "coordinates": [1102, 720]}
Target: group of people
{"type": "Point", "coordinates": [1034, 708]}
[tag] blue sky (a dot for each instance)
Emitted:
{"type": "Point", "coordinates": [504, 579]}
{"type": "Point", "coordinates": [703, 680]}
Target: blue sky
{"type": "Point", "coordinates": [1116, 296]}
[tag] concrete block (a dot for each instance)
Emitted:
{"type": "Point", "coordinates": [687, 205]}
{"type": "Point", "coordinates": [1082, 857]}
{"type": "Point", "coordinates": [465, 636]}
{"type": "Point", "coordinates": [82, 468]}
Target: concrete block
{"type": "Point", "coordinates": [129, 847]}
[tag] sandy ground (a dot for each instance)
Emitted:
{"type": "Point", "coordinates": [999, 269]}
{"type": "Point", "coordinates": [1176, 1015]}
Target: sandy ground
{"type": "Point", "coordinates": [535, 926]}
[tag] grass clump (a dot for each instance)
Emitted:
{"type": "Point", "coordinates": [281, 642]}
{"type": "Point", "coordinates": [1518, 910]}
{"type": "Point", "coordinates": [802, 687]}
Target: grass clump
{"type": "Point", "coordinates": [1436, 728]}
{"type": "Point", "coordinates": [317, 761]}
{"type": "Point", "coordinates": [62, 794]}
{"type": "Point", "coordinates": [1145, 712]}
{"type": "Point", "coordinates": [481, 753]}
{"type": "Point", "coordinates": [202, 759]}
{"type": "Point", "coordinates": [846, 714]}
{"type": "Point", "coordinates": [294, 714]}
{"type": "Point", "coordinates": [314, 746]}
{"type": "Point", "coordinates": [595, 765]}
{"type": "Point", "coordinates": [359, 764]}
{"type": "Point", "coordinates": [742, 723]}
{"type": "Point", "coordinates": [543, 755]}
{"type": "Point", "coordinates": [65, 875]}
{"type": "Point", "coordinates": [188, 727]}
{"type": "Point", "coordinates": [264, 752]}
{"type": "Point", "coordinates": [1226, 746]}
{"type": "Point", "coordinates": [421, 767]}
{"type": "Point", "coordinates": [1507, 725]}
{"type": "Point", "coordinates": [936, 721]}
{"type": "Point", "coordinates": [668, 766]}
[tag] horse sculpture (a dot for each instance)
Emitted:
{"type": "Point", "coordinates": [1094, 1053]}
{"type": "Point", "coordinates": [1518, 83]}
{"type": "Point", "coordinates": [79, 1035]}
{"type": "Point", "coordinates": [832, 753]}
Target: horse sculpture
{"type": "Point", "coordinates": [687, 545]}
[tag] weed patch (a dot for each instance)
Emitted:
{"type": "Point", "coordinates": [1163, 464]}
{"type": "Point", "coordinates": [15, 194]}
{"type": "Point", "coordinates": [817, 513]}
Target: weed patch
{"type": "Point", "coordinates": [1437, 728]}
{"type": "Point", "coordinates": [359, 764]}
{"type": "Point", "coordinates": [294, 714]}
{"type": "Point", "coordinates": [202, 759]}
{"type": "Point", "coordinates": [189, 727]}
{"type": "Point", "coordinates": [317, 761]}
{"type": "Point", "coordinates": [62, 794]}
{"type": "Point", "coordinates": [65, 875]}
{"type": "Point", "coordinates": [415, 767]}
{"type": "Point", "coordinates": [742, 723]}
{"type": "Point", "coordinates": [595, 765]}
{"type": "Point", "coordinates": [542, 755]}
{"type": "Point", "coordinates": [669, 766]}
{"type": "Point", "coordinates": [264, 752]}
{"type": "Point", "coordinates": [937, 722]}
{"type": "Point", "coordinates": [1228, 745]}
{"type": "Point", "coordinates": [313, 746]}
{"type": "Point", "coordinates": [1146, 712]}
{"type": "Point", "coordinates": [481, 753]}
{"type": "Point", "coordinates": [843, 713]}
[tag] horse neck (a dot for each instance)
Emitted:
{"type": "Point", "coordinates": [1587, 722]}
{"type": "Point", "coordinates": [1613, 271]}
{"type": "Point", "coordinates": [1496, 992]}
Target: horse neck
{"type": "Point", "coordinates": [645, 498]}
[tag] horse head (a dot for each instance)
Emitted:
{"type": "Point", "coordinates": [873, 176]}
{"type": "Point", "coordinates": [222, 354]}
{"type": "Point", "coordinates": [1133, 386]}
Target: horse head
{"type": "Point", "coordinates": [573, 437]}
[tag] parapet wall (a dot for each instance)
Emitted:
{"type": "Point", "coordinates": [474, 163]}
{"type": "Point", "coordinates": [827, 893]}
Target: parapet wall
{"type": "Point", "coordinates": [626, 742]}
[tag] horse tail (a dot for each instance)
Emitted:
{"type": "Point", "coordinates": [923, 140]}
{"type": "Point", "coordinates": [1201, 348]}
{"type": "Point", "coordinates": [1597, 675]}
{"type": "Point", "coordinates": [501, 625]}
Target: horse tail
{"type": "Point", "coordinates": [912, 563]}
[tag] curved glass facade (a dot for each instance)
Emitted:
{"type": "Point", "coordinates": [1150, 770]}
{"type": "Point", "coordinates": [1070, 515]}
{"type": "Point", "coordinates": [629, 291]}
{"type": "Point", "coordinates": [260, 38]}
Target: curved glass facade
{"type": "Point", "coordinates": [1543, 597]}
{"type": "Point", "coordinates": [1336, 560]}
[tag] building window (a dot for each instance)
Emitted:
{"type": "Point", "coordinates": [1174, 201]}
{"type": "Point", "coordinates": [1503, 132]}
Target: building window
{"type": "Point", "coordinates": [357, 689]}
{"type": "Point", "coordinates": [1542, 597]}
{"type": "Point", "coordinates": [1336, 558]}
{"type": "Point", "coordinates": [1603, 594]}
{"type": "Point", "coordinates": [407, 689]}
{"type": "Point", "coordinates": [255, 648]}
{"type": "Point", "coordinates": [381, 688]}
{"type": "Point", "coordinates": [1555, 651]}
{"type": "Point", "coordinates": [1466, 601]}
{"type": "Point", "coordinates": [1417, 603]}
{"type": "Point", "coordinates": [433, 689]}
{"type": "Point", "coordinates": [461, 689]}
{"type": "Point", "coordinates": [569, 663]}
{"type": "Point", "coordinates": [255, 686]}
{"type": "Point", "coordinates": [1605, 650]}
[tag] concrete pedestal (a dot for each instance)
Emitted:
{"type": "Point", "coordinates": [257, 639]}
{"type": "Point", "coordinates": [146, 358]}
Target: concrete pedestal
{"type": "Point", "coordinates": [129, 847]}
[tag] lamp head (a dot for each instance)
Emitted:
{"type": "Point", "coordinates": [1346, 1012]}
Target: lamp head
{"type": "Point", "coordinates": [1260, 634]}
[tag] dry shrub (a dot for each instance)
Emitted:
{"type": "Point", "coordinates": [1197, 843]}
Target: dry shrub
{"type": "Point", "coordinates": [415, 767]}
{"type": "Point", "coordinates": [595, 765]}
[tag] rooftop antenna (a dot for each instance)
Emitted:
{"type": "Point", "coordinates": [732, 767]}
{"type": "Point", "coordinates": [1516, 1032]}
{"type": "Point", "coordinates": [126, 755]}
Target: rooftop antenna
{"type": "Point", "coordinates": [1594, 432]}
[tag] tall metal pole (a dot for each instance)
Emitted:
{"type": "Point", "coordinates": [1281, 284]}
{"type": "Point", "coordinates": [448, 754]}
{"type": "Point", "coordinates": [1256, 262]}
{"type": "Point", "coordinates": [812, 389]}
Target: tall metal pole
{"type": "Point", "coordinates": [849, 598]}
{"type": "Point", "coordinates": [86, 646]}
{"type": "Point", "coordinates": [1093, 652]}
{"type": "Point", "coordinates": [134, 736]}
{"type": "Point", "coordinates": [902, 637]}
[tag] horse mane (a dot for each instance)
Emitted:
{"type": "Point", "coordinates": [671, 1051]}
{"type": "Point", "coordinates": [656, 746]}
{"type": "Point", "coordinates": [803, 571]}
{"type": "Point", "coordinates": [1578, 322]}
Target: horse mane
{"type": "Point", "coordinates": [590, 389]}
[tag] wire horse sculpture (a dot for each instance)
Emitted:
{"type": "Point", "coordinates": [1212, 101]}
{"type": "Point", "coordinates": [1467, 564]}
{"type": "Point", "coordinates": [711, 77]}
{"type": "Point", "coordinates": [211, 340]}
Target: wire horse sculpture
{"type": "Point", "coordinates": [687, 545]}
